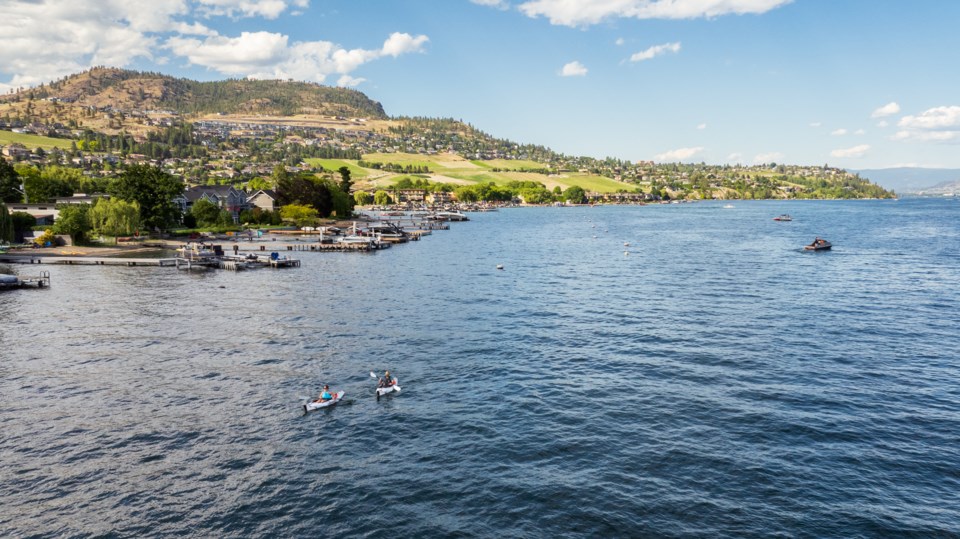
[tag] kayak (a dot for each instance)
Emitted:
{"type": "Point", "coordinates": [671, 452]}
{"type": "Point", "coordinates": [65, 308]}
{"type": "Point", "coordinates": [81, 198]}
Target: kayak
{"type": "Point", "coordinates": [317, 405]}
{"type": "Point", "coordinates": [389, 389]}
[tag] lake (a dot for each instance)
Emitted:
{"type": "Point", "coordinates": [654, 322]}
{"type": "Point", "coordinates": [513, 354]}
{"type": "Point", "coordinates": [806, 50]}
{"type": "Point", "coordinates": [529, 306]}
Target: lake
{"type": "Point", "coordinates": [669, 370]}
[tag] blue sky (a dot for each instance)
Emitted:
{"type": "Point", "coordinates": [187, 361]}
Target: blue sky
{"type": "Point", "coordinates": [854, 83]}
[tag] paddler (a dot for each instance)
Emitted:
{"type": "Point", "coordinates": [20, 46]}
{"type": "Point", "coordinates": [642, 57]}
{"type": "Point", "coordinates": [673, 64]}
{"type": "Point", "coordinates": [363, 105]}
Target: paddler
{"type": "Point", "coordinates": [324, 395]}
{"type": "Point", "coordinates": [386, 381]}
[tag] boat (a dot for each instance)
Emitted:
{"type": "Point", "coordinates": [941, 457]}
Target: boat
{"type": "Point", "coordinates": [394, 387]}
{"type": "Point", "coordinates": [310, 406]}
{"type": "Point", "coordinates": [449, 216]}
{"type": "Point", "coordinates": [198, 250]}
{"type": "Point", "coordinates": [783, 217]}
{"type": "Point", "coordinates": [818, 245]}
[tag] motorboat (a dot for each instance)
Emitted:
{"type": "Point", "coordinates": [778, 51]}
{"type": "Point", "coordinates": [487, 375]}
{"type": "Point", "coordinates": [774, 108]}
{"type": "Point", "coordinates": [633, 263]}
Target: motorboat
{"type": "Point", "coordinates": [783, 217]}
{"type": "Point", "coordinates": [818, 245]}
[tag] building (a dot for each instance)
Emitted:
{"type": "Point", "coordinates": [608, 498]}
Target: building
{"type": "Point", "coordinates": [265, 199]}
{"type": "Point", "coordinates": [225, 197]}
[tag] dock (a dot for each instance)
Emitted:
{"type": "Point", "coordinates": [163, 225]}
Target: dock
{"type": "Point", "coordinates": [16, 281]}
{"type": "Point", "coordinates": [88, 260]}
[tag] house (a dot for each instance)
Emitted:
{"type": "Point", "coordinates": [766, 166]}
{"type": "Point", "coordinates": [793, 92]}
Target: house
{"type": "Point", "coordinates": [265, 199]}
{"type": "Point", "coordinates": [410, 195]}
{"type": "Point", "coordinates": [226, 197]}
{"type": "Point", "coordinates": [441, 197]}
{"type": "Point", "coordinates": [16, 151]}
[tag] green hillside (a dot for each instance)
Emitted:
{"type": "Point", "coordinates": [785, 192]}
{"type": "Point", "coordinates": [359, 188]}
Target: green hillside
{"type": "Point", "coordinates": [444, 167]}
{"type": "Point", "coordinates": [33, 141]}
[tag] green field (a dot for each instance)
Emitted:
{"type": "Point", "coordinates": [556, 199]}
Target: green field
{"type": "Point", "coordinates": [33, 141]}
{"type": "Point", "coordinates": [356, 172]}
{"type": "Point", "coordinates": [510, 164]}
{"type": "Point", "coordinates": [458, 168]}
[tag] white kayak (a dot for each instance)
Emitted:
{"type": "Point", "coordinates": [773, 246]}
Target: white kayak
{"type": "Point", "coordinates": [317, 405]}
{"type": "Point", "coordinates": [389, 389]}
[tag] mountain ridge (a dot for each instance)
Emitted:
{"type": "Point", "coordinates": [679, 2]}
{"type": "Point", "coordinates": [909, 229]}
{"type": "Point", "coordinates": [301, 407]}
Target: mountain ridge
{"type": "Point", "coordinates": [124, 89]}
{"type": "Point", "coordinates": [911, 179]}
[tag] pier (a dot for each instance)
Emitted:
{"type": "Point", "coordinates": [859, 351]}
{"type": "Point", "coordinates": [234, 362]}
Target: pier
{"type": "Point", "coordinates": [87, 260]}
{"type": "Point", "coordinates": [17, 281]}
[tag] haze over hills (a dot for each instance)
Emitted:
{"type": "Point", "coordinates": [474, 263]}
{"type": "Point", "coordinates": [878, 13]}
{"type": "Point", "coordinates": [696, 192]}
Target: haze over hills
{"type": "Point", "coordinates": [914, 179]}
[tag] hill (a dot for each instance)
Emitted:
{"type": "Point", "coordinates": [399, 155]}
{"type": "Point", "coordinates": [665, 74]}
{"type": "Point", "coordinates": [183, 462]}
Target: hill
{"type": "Point", "coordinates": [125, 90]}
{"type": "Point", "coordinates": [911, 179]}
{"type": "Point", "coordinates": [235, 131]}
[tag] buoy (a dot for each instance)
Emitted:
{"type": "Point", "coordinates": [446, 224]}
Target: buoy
{"type": "Point", "coordinates": [499, 266]}
{"type": "Point", "coordinates": [625, 253]}
{"type": "Point", "coordinates": [626, 244]}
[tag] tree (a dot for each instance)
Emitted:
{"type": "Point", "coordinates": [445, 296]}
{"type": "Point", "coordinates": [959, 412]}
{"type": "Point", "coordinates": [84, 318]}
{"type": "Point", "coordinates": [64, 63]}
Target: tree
{"type": "Point", "coordinates": [114, 217]}
{"type": "Point", "coordinates": [205, 212]}
{"type": "Point", "coordinates": [153, 190]}
{"type": "Point", "coordinates": [575, 194]}
{"type": "Point", "coordinates": [381, 198]}
{"type": "Point", "coordinates": [306, 190]}
{"type": "Point", "coordinates": [46, 184]}
{"type": "Point", "coordinates": [22, 222]}
{"type": "Point", "coordinates": [73, 221]}
{"type": "Point", "coordinates": [6, 224]}
{"type": "Point", "coordinates": [345, 182]}
{"type": "Point", "coordinates": [362, 198]}
{"type": "Point", "coordinates": [258, 183]}
{"type": "Point", "coordinates": [9, 183]}
{"type": "Point", "coordinates": [300, 214]}
{"type": "Point", "coordinates": [279, 175]}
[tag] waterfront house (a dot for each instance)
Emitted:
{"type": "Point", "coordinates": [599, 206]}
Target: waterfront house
{"type": "Point", "coordinates": [265, 199]}
{"type": "Point", "coordinates": [225, 197]}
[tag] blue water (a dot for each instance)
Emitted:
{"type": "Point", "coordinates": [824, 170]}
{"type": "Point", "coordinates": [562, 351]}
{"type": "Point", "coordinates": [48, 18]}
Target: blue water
{"type": "Point", "coordinates": [709, 379]}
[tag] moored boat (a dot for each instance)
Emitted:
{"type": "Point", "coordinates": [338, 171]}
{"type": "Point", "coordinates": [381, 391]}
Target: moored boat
{"type": "Point", "coordinates": [783, 217]}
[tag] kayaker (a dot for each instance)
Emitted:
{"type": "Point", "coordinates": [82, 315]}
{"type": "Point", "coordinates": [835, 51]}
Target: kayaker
{"type": "Point", "coordinates": [386, 381]}
{"type": "Point", "coordinates": [324, 395]}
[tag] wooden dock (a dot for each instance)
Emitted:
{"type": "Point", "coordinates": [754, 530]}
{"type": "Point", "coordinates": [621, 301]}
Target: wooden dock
{"type": "Point", "coordinates": [87, 260]}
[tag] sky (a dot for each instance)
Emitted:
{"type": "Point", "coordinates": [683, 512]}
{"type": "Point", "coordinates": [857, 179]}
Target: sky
{"type": "Point", "coordinates": [857, 84]}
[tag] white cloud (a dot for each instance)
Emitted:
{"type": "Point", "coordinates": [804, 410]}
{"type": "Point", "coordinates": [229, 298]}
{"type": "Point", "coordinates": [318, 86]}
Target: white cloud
{"type": "Point", "coordinates": [887, 110]}
{"type": "Point", "coordinates": [573, 69]}
{"type": "Point", "coordinates": [587, 12]}
{"type": "Point", "coordinates": [349, 82]}
{"type": "Point", "coordinates": [735, 158]}
{"type": "Point", "coordinates": [268, 9]}
{"type": "Point", "coordinates": [939, 124]}
{"type": "Point", "coordinates": [267, 55]}
{"type": "Point", "coordinates": [655, 51]}
{"type": "Point", "coordinates": [499, 4]}
{"type": "Point", "coordinates": [400, 43]}
{"type": "Point", "coordinates": [702, 126]}
{"type": "Point", "coordinates": [882, 123]}
{"type": "Point", "coordinates": [859, 132]}
{"type": "Point", "coordinates": [43, 41]}
{"type": "Point", "coordinates": [856, 151]}
{"type": "Point", "coordinates": [620, 41]}
{"type": "Point", "coordinates": [769, 157]}
{"type": "Point", "coordinates": [815, 124]}
{"type": "Point", "coordinates": [838, 132]}
{"type": "Point", "coordinates": [47, 39]}
{"type": "Point", "coordinates": [679, 154]}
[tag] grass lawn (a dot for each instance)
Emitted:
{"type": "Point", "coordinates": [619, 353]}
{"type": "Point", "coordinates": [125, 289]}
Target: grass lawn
{"type": "Point", "coordinates": [510, 164]}
{"type": "Point", "coordinates": [33, 141]}
{"type": "Point", "coordinates": [356, 172]}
